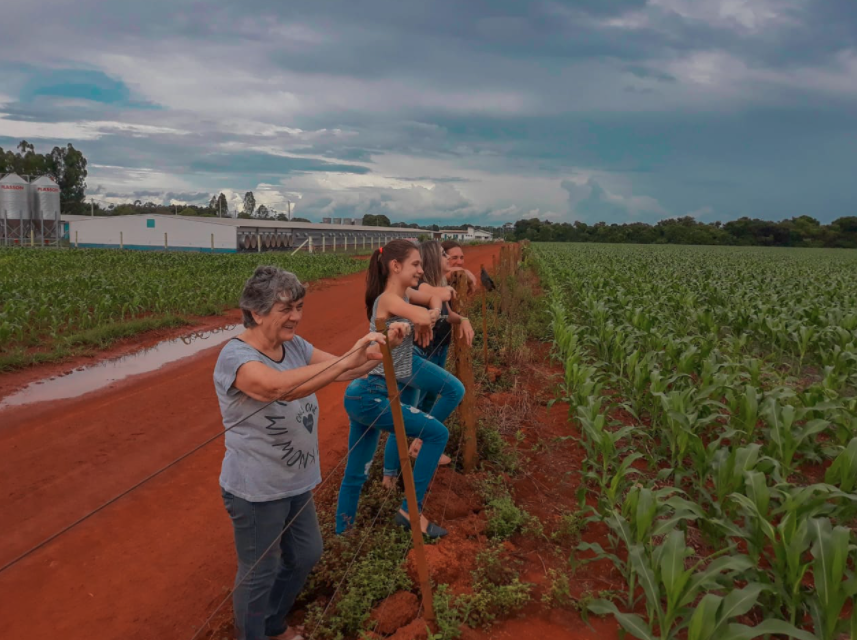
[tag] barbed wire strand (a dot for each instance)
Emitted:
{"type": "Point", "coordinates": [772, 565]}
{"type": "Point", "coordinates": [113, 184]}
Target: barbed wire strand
{"type": "Point", "coordinates": [280, 535]}
{"type": "Point", "coordinates": [168, 466]}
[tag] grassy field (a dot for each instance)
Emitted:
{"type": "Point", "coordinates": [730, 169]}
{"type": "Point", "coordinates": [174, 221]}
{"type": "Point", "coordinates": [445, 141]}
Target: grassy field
{"type": "Point", "coordinates": [714, 391]}
{"type": "Point", "coordinates": [56, 302]}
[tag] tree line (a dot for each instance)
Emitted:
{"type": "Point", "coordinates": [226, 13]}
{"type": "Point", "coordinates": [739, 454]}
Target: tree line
{"type": "Point", "coordinates": [802, 231]}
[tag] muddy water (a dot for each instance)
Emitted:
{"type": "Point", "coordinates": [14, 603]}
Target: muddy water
{"type": "Point", "coordinates": [86, 379]}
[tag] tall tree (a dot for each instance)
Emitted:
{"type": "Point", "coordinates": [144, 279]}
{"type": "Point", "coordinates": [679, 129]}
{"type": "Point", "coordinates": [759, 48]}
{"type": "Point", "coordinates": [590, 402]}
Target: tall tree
{"type": "Point", "coordinates": [68, 166]}
{"type": "Point", "coordinates": [379, 220]}
{"type": "Point", "coordinates": [262, 212]}
{"type": "Point", "coordinates": [222, 207]}
{"type": "Point", "coordinates": [249, 203]}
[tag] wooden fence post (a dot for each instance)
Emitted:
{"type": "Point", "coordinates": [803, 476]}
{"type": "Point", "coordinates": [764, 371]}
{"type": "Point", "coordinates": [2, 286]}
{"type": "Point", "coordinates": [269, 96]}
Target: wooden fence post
{"type": "Point", "coordinates": [408, 477]}
{"type": "Point", "coordinates": [464, 372]}
{"type": "Point", "coordinates": [121, 241]}
{"type": "Point", "coordinates": [484, 324]}
{"type": "Point", "coordinates": [75, 239]}
{"type": "Point", "coordinates": [166, 242]}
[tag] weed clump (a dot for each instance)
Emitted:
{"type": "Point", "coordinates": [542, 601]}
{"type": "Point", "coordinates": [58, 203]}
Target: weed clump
{"type": "Point", "coordinates": [497, 589]}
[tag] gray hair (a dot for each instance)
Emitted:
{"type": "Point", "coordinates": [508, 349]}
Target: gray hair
{"type": "Point", "coordinates": [267, 286]}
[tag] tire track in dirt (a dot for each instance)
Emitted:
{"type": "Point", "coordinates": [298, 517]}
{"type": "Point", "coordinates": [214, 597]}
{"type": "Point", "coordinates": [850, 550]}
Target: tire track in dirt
{"type": "Point", "coordinates": [154, 564]}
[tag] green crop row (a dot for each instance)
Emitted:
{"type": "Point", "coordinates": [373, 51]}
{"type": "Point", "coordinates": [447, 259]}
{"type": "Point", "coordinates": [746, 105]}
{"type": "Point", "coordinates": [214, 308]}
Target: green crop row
{"type": "Point", "coordinates": [715, 393]}
{"type": "Point", "coordinates": [48, 295]}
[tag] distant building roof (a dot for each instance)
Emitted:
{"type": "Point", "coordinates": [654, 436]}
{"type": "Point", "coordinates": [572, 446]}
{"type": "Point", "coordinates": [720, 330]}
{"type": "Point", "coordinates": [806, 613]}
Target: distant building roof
{"type": "Point", "coordinates": [256, 223]}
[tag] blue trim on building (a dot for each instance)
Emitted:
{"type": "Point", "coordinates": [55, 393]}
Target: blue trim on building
{"type": "Point", "coordinates": [145, 247]}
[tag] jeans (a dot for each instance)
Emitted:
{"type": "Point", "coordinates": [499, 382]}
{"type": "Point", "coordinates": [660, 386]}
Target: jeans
{"type": "Point", "coordinates": [263, 599]}
{"type": "Point", "coordinates": [433, 390]}
{"type": "Point", "coordinates": [366, 403]}
{"type": "Point", "coordinates": [426, 399]}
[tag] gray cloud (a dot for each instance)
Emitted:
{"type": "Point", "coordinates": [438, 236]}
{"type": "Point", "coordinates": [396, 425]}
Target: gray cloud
{"type": "Point", "coordinates": [453, 109]}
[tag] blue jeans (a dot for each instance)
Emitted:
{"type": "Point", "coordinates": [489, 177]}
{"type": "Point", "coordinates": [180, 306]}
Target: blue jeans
{"type": "Point", "coordinates": [433, 390]}
{"type": "Point", "coordinates": [263, 599]}
{"type": "Point", "coordinates": [366, 403]}
{"type": "Point", "coordinates": [426, 399]}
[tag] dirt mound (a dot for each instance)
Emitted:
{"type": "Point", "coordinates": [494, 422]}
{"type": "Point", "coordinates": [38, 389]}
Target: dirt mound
{"type": "Point", "coordinates": [395, 612]}
{"type": "Point", "coordinates": [417, 630]}
{"type": "Point", "coordinates": [452, 497]}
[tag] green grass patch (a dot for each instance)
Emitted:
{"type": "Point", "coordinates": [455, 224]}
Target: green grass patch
{"type": "Point", "coordinates": [86, 342]}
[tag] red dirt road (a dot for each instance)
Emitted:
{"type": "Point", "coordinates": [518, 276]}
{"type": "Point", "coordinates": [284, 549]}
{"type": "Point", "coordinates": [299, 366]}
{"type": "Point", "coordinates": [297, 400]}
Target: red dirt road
{"type": "Point", "coordinates": [154, 564]}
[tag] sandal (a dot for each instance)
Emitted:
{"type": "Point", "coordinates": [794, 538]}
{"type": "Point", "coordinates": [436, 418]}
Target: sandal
{"type": "Point", "coordinates": [432, 530]}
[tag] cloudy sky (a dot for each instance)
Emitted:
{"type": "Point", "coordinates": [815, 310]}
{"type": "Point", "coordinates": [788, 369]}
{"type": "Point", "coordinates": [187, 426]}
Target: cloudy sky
{"type": "Point", "coordinates": [480, 111]}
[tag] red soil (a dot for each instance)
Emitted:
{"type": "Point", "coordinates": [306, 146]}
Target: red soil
{"type": "Point", "coordinates": [156, 563]}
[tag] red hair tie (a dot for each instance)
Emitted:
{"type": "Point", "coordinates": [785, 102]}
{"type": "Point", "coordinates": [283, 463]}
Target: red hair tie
{"type": "Point", "coordinates": [381, 250]}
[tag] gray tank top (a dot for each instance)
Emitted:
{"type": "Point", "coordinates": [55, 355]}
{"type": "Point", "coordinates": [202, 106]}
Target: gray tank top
{"type": "Point", "coordinates": [403, 355]}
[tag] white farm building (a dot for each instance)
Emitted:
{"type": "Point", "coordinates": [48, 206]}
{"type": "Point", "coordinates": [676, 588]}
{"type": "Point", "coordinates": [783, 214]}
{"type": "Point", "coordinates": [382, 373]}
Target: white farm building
{"type": "Point", "coordinates": [464, 235]}
{"type": "Point", "coordinates": [223, 235]}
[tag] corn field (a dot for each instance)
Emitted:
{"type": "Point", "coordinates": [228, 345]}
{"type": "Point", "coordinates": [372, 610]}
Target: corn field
{"type": "Point", "coordinates": [47, 295]}
{"type": "Point", "coordinates": [715, 393]}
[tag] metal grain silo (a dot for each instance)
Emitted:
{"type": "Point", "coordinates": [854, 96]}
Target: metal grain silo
{"type": "Point", "coordinates": [15, 208]}
{"type": "Point", "coordinates": [45, 197]}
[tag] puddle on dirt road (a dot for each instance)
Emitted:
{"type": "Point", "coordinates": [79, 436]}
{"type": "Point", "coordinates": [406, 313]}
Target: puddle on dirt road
{"type": "Point", "coordinates": [86, 379]}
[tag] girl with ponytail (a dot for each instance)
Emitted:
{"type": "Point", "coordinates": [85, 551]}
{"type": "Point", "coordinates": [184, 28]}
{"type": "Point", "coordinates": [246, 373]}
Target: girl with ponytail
{"type": "Point", "coordinates": [392, 279]}
{"type": "Point", "coordinates": [433, 282]}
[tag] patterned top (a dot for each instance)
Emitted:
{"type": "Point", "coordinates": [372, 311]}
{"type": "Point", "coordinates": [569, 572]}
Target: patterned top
{"type": "Point", "coordinates": [403, 355]}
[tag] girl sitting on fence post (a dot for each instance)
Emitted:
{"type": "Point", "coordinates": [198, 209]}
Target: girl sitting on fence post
{"type": "Point", "coordinates": [394, 272]}
{"type": "Point", "coordinates": [433, 282]}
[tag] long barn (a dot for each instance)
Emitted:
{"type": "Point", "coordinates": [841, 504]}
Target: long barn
{"type": "Point", "coordinates": [223, 235]}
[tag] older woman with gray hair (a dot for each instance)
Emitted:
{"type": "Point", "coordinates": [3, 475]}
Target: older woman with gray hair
{"type": "Point", "coordinates": [266, 379]}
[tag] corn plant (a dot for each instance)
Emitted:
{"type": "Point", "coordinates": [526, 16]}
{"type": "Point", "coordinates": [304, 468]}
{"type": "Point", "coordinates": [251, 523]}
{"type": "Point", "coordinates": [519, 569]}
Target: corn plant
{"type": "Point", "coordinates": [644, 514]}
{"type": "Point", "coordinates": [671, 589]}
{"type": "Point", "coordinates": [785, 436]}
{"type": "Point", "coordinates": [843, 472]}
{"type": "Point", "coordinates": [835, 582]}
{"type": "Point", "coordinates": [713, 615]}
{"type": "Point", "coordinates": [602, 445]}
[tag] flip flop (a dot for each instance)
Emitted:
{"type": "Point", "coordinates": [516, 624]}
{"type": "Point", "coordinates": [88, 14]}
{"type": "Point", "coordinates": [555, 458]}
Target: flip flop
{"type": "Point", "coordinates": [432, 530]}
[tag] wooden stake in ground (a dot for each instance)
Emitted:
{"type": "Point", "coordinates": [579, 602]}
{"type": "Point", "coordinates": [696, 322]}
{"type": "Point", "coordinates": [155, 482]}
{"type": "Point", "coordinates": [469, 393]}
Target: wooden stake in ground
{"type": "Point", "coordinates": [464, 372]}
{"type": "Point", "coordinates": [408, 477]}
{"type": "Point", "coordinates": [484, 325]}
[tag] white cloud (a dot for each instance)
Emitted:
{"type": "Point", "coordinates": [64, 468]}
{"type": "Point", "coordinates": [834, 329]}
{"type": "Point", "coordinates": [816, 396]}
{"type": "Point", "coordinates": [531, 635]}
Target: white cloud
{"type": "Point", "coordinates": [700, 213]}
{"type": "Point", "coordinates": [742, 15]}
{"type": "Point", "coordinates": [591, 200]}
{"type": "Point", "coordinates": [83, 130]}
{"type": "Point", "coordinates": [722, 72]}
